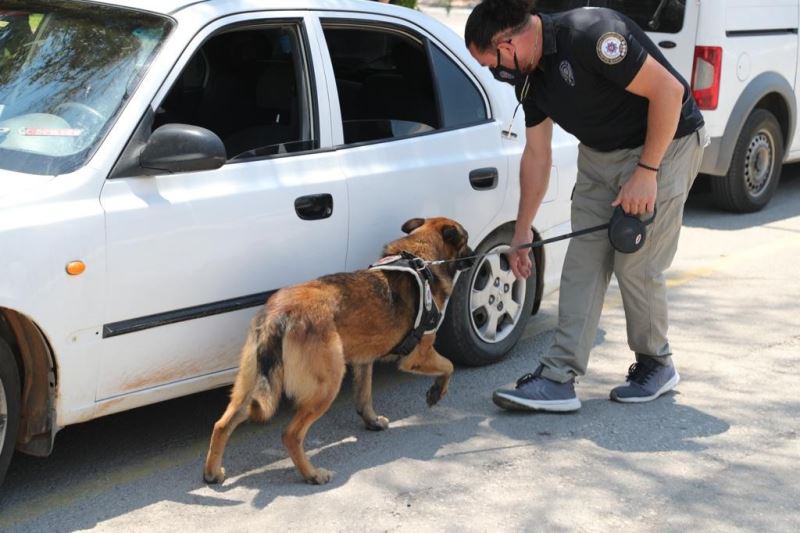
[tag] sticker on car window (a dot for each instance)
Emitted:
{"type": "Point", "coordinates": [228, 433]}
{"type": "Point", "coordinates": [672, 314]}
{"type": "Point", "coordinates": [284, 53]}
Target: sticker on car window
{"type": "Point", "coordinates": [2, 108]}
{"type": "Point", "coordinates": [50, 132]}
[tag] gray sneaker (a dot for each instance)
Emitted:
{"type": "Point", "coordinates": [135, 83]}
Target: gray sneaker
{"type": "Point", "coordinates": [537, 393]}
{"type": "Point", "coordinates": [647, 380]}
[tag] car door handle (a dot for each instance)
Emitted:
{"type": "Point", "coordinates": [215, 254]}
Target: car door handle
{"type": "Point", "coordinates": [667, 44]}
{"type": "Point", "coordinates": [314, 206]}
{"type": "Point", "coordinates": [484, 179]}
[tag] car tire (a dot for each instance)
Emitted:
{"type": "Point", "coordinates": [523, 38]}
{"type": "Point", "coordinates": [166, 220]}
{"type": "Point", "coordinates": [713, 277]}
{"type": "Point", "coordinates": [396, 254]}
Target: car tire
{"type": "Point", "coordinates": [9, 406]}
{"type": "Point", "coordinates": [755, 167]}
{"type": "Point", "coordinates": [481, 300]}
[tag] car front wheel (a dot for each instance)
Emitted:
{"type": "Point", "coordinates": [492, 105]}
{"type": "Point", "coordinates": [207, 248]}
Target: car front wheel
{"type": "Point", "coordinates": [9, 406]}
{"type": "Point", "coordinates": [489, 307]}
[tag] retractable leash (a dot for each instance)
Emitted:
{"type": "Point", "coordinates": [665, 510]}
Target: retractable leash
{"type": "Point", "coordinates": [627, 234]}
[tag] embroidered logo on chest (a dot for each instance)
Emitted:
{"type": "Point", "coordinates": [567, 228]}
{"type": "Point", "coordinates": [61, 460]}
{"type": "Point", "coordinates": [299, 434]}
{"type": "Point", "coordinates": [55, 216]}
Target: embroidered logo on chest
{"type": "Point", "coordinates": [612, 48]}
{"type": "Point", "coordinates": [566, 72]}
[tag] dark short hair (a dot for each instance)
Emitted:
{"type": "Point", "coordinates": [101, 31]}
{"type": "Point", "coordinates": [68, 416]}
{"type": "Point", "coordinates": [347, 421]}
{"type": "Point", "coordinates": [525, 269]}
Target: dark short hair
{"type": "Point", "coordinates": [492, 17]}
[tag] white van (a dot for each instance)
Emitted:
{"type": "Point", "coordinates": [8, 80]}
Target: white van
{"type": "Point", "coordinates": [741, 57]}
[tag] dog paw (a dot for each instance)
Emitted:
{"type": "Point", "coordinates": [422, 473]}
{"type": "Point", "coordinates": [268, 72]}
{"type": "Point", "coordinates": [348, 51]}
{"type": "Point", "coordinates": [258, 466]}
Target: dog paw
{"type": "Point", "coordinates": [319, 477]}
{"type": "Point", "coordinates": [212, 478]}
{"type": "Point", "coordinates": [378, 424]}
{"type": "Point", "coordinates": [434, 395]}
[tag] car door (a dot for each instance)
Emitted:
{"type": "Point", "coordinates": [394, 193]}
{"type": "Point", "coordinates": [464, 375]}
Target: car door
{"type": "Point", "coordinates": [415, 136]}
{"type": "Point", "coordinates": [192, 255]}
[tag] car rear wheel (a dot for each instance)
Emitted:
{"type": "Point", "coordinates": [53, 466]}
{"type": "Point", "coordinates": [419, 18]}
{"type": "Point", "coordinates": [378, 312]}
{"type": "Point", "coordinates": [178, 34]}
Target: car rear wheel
{"type": "Point", "coordinates": [489, 307]}
{"type": "Point", "coordinates": [9, 406]}
{"type": "Point", "coordinates": [755, 167]}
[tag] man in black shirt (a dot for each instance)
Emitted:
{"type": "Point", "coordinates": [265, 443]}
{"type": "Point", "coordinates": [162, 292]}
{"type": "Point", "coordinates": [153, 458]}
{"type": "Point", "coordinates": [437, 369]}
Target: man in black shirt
{"type": "Point", "coordinates": [595, 73]}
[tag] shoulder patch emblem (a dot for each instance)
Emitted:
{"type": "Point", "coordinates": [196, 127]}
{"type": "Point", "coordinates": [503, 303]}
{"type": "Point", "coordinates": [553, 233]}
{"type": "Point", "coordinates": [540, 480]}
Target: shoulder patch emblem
{"type": "Point", "coordinates": [566, 72]}
{"type": "Point", "coordinates": [612, 48]}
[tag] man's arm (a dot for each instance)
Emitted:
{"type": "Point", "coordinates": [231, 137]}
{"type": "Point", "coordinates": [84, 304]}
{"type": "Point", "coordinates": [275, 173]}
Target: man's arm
{"type": "Point", "coordinates": [665, 94]}
{"type": "Point", "coordinates": [534, 178]}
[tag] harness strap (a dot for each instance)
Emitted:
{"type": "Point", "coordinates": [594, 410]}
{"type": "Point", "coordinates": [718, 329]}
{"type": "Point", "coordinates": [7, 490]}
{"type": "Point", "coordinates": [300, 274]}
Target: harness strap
{"type": "Point", "coordinates": [429, 317]}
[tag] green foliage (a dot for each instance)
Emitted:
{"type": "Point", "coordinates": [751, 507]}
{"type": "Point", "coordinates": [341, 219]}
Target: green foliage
{"type": "Point", "coordinates": [407, 3]}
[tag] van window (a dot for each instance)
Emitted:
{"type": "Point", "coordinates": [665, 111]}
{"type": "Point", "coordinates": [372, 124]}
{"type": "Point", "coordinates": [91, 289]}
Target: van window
{"type": "Point", "coordinates": [662, 16]}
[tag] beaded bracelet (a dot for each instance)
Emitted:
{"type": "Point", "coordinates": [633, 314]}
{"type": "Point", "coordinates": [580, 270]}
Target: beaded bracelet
{"type": "Point", "coordinates": [648, 167]}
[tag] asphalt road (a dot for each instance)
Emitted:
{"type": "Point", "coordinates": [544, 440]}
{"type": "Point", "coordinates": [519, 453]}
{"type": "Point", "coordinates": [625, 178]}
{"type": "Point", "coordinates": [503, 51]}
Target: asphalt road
{"type": "Point", "coordinates": [721, 453]}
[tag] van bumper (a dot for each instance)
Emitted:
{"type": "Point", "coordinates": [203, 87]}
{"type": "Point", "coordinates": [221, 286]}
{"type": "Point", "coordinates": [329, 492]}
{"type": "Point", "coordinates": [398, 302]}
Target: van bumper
{"type": "Point", "coordinates": [714, 161]}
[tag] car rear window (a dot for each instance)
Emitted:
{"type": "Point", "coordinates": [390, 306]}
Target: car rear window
{"type": "Point", "coordinates": [662, 16]}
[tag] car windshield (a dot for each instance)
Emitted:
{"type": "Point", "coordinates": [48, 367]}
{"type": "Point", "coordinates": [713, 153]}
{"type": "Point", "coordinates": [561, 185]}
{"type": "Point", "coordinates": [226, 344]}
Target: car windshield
{"type": "Point", "coordinates": [66, 69]}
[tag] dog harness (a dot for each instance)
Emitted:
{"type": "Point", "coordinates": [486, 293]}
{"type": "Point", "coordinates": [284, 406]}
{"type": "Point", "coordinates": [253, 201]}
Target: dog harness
{"type": "Point", "coordinates": [429, 318]}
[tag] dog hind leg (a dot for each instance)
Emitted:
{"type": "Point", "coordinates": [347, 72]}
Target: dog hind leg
{"type": "Point", "coordinates": [252, 395]}
{"type": "Point", "coordinates": [235, 414]}
{"type": "Point", "coordinates": [314, 369]}
{"type": "Point", "coordinates": [362, 386]}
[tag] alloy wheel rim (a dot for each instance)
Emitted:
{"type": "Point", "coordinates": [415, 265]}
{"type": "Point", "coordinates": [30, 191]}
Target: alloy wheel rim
{"type": "Point", "coordinates": [759, 163]}
{"type": "Point", "coordinates": [496, 297]}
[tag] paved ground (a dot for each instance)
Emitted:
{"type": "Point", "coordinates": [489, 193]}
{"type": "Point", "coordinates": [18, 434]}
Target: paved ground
{"type": "Point", "coordinates": [721, 454]}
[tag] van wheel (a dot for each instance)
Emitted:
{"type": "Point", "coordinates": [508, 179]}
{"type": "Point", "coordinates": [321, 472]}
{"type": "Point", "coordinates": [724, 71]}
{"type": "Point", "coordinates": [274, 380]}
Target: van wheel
{"type": "Point", "coordinates": [489, 307]}
{"type": "Point", "coordinates": [9, 406]}
{"type": "Point", "coordinates": [755, 168]}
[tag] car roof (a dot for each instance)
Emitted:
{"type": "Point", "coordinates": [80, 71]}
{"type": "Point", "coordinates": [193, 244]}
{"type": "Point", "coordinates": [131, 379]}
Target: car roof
{"type": "Point", "coordinates": [168, 7]}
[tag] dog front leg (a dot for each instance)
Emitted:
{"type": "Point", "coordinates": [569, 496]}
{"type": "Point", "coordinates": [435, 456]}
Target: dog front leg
{"type": "Point", "coordinates": [427, 361]}
{"type": "Point", "coordinates": [362, 384]}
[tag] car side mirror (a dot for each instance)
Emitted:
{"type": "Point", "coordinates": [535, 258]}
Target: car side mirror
{"type": "Point", "coordinates": [182, 148]}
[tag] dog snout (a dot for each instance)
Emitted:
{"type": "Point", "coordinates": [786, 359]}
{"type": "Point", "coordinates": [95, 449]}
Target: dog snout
{"type": "Point", "coordinates": [466, 259]}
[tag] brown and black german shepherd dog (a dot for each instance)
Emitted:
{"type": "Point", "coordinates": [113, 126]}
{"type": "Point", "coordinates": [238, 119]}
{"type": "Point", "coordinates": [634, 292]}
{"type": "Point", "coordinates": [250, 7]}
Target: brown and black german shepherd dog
{"type": "Point", "coordinates": [301, 341]}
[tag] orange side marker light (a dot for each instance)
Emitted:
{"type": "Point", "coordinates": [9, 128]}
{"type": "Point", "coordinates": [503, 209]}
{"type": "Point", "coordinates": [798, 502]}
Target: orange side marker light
{"type": "Point", "coordinates": [76, 268]}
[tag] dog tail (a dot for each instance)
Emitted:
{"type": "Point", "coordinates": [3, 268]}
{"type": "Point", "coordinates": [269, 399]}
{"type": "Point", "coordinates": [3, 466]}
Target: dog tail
{"type": "Point", "coordinates": [267, 342]}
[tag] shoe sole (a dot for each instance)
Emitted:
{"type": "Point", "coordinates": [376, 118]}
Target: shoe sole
{"type": "Point", "coordinates": [668, 386]}
{"type": "Point", "coordinates": [512, 403]}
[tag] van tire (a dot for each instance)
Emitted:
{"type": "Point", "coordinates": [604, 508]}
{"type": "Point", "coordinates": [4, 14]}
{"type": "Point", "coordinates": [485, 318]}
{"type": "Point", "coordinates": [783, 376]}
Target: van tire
{"type": "Point", "coordinates": [9, 406]}
{"type": "Point", "coordinates": [461, 338]}
{"type": "Point", "coordinates": [755, 167]}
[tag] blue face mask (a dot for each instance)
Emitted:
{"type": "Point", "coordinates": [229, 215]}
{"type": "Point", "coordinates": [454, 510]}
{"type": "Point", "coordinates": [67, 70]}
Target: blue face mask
{"type": "Point", "coordinates": [512, 76]}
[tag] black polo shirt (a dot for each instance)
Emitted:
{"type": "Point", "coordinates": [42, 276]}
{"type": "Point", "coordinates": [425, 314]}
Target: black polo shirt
{"type": "Point", "coordinates": [589, 56]}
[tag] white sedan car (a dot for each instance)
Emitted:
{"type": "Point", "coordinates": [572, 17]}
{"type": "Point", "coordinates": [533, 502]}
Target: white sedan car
{"type": "Point", "coordinates": [167, 165]}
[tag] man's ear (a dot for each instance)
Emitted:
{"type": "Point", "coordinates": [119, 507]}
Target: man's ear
{"type": "Point", "coordinates": [451, 235]}
{"type": "Point", "coordinates": [412, 224]}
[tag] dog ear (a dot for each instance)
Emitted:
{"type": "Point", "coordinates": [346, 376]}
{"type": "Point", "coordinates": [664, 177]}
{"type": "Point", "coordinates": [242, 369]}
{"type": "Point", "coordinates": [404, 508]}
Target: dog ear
{"type": "Point", "coordinates": [412, 224]}
{"type": "Point", "coordinates": [451, 235]}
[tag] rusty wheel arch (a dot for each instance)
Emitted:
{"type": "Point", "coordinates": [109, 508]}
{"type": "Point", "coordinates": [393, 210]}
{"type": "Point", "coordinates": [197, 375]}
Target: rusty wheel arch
{"type": "Point", "coordinates": [37, 425]}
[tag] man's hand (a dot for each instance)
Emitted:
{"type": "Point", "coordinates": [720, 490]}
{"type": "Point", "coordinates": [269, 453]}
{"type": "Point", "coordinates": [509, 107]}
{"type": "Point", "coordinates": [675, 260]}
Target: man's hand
{"type": "Point", "coordinates": [638, 195]}
{"type": "Point", "coordinates": [520, 260]}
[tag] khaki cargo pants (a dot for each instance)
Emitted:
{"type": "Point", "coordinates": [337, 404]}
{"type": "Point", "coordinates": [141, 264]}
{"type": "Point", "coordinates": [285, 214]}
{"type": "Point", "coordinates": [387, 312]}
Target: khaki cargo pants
{"type": "Point", "coordinates": [591, 259]}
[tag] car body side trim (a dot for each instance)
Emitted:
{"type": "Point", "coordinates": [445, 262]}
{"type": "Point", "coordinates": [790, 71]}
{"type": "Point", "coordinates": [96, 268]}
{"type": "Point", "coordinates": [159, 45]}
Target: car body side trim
{"type": "Point", "coordinates": [133, 325]}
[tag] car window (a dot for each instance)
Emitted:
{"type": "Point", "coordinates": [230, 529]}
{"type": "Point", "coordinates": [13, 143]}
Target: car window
{"type": "Point", "coordinates": [66, 70]}
{"type": "Point", "coordinates": [384, 82]}
{"type": "Point", "coordinates": [249, 86]}
{"type": "Point", "coordinates": [664, 16]}
{"type": "Point", "coordinates": [461, 101]}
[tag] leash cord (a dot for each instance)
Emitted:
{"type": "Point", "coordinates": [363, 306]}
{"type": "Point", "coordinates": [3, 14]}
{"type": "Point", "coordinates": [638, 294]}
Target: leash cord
{"type": "Point", "coordinates": [534, 244]}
